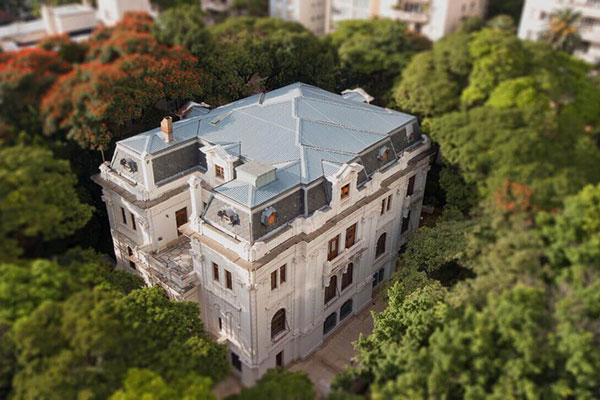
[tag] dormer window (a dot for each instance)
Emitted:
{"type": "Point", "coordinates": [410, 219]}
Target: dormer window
{"type": "Point", "coordinates": [128, 164]}
{"type": "Point", "coordinates": [268, 216]}
{"type": "Point", "coordinates": [384, 155]}
{"type": "Point", "coordinates": [219, 172]}
{"type": "Point", "coordinates": [345, 192]}
{"type": "Point", "coordinates": [229, 216]}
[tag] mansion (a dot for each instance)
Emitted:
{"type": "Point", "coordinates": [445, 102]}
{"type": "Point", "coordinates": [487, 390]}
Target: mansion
{"type": "Point", "coordinates": [279, 214]}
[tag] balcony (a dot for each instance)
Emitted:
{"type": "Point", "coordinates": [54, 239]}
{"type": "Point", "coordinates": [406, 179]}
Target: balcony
{"type": "Point", "coordinates": [344, 257]}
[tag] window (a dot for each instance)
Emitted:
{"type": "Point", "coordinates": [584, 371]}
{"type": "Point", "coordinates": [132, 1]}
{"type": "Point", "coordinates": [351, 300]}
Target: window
{"type": "Point", "coordinates": [282, 276]}
{"type": "Point", "coordinates": [382, 207]}
{"type": "Point", "coordinates": [380, 245]}
{"type": "Point", "coordinates": [220, 324]}
{"type": "Point", "coordinates": [123, 216]}
{"type": "Point", "coordinates": [350, 236]}
{"type": "Point", "coordinates": [228, 280]}
{"type": "Point", "coordinates": [329, 323]}
{"type": "Point", "coordinates": [331, 289]}
{"type": "Point", "coordinates": [279, 359]}
{"type": "Point", "coordinates": [278, 323]}
{"type": "Point", "coordinates": [133, 222]}
{"type": "Point", "coordinates": [219, 172]}
{"type": "Point", "coordinates": [274, 280]}
{"type": "Point", "coordinates": [130, 254]}
{"type": "Point", "coordinates": [411, 186]}
{"type": "Point", "coordinates": [333, 248]}
{"type": "Point", "coordinates": [405, 223]}
{"type": "Point", "coordinates": [389, 203]}
{"type": "Point", "coordinates": [346, 309]}
{"type": "Point", "coordinates": [345, 192]}
{"type": "Point", "coordinates": [347, 276]}
{"type": "Point", "coordinates": [180, 219]}
{"type": "Point", "coordinates": [378, 277]}
{"type": "Point", "coordinates": [236, 362]}
{"type": "Point", "coordinates": [215, 272]}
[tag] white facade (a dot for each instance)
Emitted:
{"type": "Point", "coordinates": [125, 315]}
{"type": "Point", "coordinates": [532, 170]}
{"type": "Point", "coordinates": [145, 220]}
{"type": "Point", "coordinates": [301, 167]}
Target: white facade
{"type": "Point", "coordinates": [75, 20]}
{"type": "Point", "coordinates": [433, 18]}
{"type": "Point", "coordinates": [112, 11]}
{"type": "Point", "coordinates": [274, 299]}
{"type": "Point", "coordinates": [310, 13]}
{"type": "Point", "coordinates": [536, 14]}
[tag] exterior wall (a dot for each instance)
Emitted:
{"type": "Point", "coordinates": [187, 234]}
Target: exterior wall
{"type": "Point", "coordinates": [111, 11]}
{"type": "Point", "coordinates": [434, 18]}
{"type": "Point", "coordinates": [252, 304]}
{"type": "Point", "coordinates": [310, 13]}
{"type": "Point", "coordinates": [534, 21]}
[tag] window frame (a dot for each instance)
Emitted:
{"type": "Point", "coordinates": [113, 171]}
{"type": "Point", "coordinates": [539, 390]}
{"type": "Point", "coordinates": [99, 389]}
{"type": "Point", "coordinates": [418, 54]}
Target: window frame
{"type": "Point", "coordinates": [381, 244]}
{"type": "Point", "coordinates": [347, 277]}
{"type": "Point", "coordinates": [219, 172]}
{"type": "Point", "coordinates": [330, 292]}
{"type": "Point", "coordinates": [345, 192]}
{"type": "Point", "coordinates": [133, 225]}
{"type": "Point", "coordinates": [274, 284]}
{"type": "Point", "coordinates": [351, 229]}
{"type": "Point", "coordinates": [282, 274]}
{"type": "Point", "coordinates": [216, 275]}
{"type": "Point", "coordinates": [410, 188]}
{"type": "Point", "coordinates": [228, 280]}
{"type": "Point", "coordinates": [278, 323]}
{"type": "Point", "coordinates": [123, 216]}
{"type": "Point", "coordinates": [331, 255]}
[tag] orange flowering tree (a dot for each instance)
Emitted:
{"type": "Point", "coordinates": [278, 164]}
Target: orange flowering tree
{"type": "Point", "coordinates": [127, 75]}
{"type": "Point", "coordinates": [24, 77]}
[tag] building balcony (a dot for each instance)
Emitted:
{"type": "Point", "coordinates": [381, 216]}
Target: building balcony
{"type": "Point", "coordinates": [345, 257]}
{"type": "Point", "coordinates": [172, 268]}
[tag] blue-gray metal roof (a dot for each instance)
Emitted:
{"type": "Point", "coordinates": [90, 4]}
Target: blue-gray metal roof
{"type": "Point", "coordinates": [296, 123]}
{"type": "Point", "coordinates": [246, 194]}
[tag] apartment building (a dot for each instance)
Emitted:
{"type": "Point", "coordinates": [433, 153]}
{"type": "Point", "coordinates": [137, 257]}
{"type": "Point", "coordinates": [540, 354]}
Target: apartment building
{"type": "Point", "coordinates": [280, 214]}
{"type": "Point", "coordinates": [536, 14]}
{"type": "Point", "coordinates": [432, 18]}
{"type": "Point", "coordinates": [76, 20]}
{"type": "Point", "coordinates": [310, 13]}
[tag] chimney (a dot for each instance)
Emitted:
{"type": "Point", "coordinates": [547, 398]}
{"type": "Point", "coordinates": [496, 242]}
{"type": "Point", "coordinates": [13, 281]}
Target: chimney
{"type": "Point", "coordinates": [166, 127]}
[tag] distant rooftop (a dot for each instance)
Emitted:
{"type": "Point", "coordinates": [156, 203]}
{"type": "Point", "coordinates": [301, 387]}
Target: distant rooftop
{"type": "Point", "coordinates": [300, 129]}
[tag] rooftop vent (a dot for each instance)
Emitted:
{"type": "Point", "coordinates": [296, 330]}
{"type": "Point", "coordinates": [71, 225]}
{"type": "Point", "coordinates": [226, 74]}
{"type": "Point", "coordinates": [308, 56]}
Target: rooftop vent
{"type": "Point", "coordinates": [166, 127]}
{"type": "Point", "coordinates": [256, 173]}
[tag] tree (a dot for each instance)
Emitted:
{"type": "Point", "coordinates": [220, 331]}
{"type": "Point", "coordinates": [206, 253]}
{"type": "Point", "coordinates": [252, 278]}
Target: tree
{"type": "Point", "coordinates": [498, 56]}
{"type": "Point", "coordinates": [512, 8]}
{"type": "Point", "coordinates": [184, 26]}
{"type": "Point", "coordinates": [25, 76]}
{"type": "Point", "coordinates": [148, 385]}
{"type": "Point", "coordinates": [116, 93]}
{"type": "Point", "coordinates": [373, 53]}
{"type": "Point", "coordinates": [426, 90]}
{"type": "Point", "coordinates": [279, 384]}
{"type": "Point", "coordinates": [502, 23]}
{"type": "Point", "coordinates": [257, 54]}
{"type": "Point", "coordinates": [432, 249]}
{"type": "Point", "coordinates": [68, 50]}
{"type": "Point", "coordinates": [37, 199]}
{"type": "Point", "coordinates": [562, 32]}
{"type": "Point", "coordinates": [84, 346]}
{"type": "Point", "coordinates": [27, 284]}
{"type": "Point", "coordinates": [254, 8]}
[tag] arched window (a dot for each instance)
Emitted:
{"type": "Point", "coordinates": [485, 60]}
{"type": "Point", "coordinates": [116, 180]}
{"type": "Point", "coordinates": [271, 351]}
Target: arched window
{"type": "Point", "coordinates": [380, 249]}
{"type": "Point", "coordinates": [278, 323]}
{"type": "Point", "coordinates": [330, 323]}
{"type": "Point", "coordinates": [331, 289]}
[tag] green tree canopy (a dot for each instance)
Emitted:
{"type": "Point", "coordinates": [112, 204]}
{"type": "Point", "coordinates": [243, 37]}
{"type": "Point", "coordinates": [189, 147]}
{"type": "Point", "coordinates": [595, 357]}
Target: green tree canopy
{"type": "Point", "coordinates": [37, 199]}
{"type": "Point", "coordinates": [373, 53]}
{"type": "Point", "coordinates": [84, 346]}
{"type": "Point", "coordinates": [148, 385]}
{"type": "Point", "coordinates": [279, 384]}
{"type": "Point", "coordinates": [266, 53]}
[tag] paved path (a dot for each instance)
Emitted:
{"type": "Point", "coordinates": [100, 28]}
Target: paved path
{"type": "Point", "coordinates": [337, 350]}
{"type": "Point", "coordinates": [328, 360]}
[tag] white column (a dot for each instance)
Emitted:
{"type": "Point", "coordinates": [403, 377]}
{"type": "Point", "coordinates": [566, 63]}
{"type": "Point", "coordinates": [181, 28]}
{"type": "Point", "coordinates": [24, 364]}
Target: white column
{"type": "Point", "coordinates": [196, 200]}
